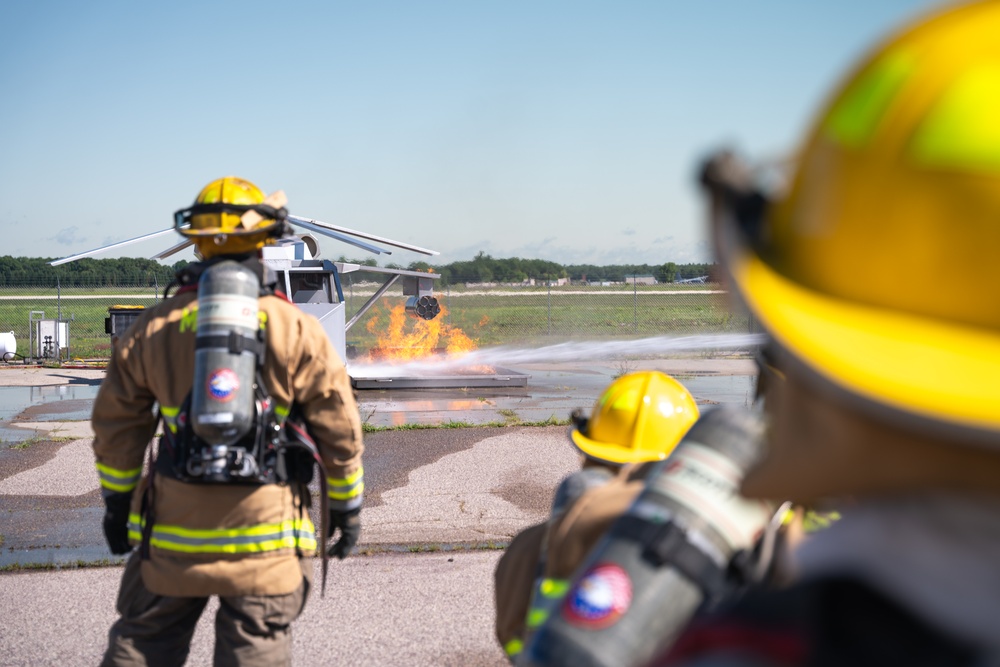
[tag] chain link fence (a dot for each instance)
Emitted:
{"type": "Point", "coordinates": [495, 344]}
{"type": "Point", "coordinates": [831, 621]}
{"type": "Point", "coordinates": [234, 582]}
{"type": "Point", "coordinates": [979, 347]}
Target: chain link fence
{"type": "Point", "coordinates": [74, 319]}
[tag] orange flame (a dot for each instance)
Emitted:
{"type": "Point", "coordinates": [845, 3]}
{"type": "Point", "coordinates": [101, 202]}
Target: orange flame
{"type": "Point", "coordinates": [407, 338]}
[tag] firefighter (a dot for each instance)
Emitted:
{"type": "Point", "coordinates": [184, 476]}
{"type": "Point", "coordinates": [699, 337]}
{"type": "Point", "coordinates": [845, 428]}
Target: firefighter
{"type": "Point", "coordinates": [639, 418]}
{"type": "Point", "coordinates": [874, 274]}
{"type": "Point", "coordinates": [245, 537]}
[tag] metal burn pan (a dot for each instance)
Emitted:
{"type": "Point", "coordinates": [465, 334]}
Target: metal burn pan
{"type": "Point", "coordinates": [501, 377]}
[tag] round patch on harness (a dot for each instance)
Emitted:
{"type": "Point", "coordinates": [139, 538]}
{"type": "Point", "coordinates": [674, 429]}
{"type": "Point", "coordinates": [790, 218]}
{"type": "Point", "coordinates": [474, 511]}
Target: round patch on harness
{"type": "Point", "coordinates": [222, 384]}
{"type": "Point", "coordinates": [600, 598]}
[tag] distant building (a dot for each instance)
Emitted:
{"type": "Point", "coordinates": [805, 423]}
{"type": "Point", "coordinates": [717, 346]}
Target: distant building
{"type": "Point", "coordinates": [640, 280]}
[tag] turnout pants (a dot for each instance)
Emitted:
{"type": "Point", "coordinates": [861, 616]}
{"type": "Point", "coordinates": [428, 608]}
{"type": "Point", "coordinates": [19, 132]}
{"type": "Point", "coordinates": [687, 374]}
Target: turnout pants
{"type": "Point", "coordinates": [156, 630]}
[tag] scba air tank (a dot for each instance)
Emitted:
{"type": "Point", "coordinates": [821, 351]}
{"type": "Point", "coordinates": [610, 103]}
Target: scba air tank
{"type": "Point", "coordinates": [225, 361]}
{"type": "Point", "coordinates": [666, 556]}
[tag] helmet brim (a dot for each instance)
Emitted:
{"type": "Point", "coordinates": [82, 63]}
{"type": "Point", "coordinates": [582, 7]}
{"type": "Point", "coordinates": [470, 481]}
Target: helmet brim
{"type": "Point", "coordinates": [612, 454]}
{"type": "Point", "coordinates": [928, 373]}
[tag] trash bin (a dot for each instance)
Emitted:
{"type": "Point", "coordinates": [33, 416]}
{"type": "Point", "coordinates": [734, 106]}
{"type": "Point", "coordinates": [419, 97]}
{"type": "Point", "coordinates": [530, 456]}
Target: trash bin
{"type": "Point", "coordinates": [119, 319]}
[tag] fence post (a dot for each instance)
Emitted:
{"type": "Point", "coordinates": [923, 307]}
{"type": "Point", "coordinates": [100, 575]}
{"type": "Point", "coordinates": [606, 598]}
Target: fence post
{"type": "Point", "coordinates": [550, 307]}
{"type": "Point", "coordinates": [635, 304]}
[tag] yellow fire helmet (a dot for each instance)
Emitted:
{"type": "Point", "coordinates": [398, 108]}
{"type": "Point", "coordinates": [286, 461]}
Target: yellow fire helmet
{"type": "Point", "coordinates": [876, 273]}
{"type": "Point", "coordinates": [640, 417]}
{"type": "Point", "coordinates": [231, 216]}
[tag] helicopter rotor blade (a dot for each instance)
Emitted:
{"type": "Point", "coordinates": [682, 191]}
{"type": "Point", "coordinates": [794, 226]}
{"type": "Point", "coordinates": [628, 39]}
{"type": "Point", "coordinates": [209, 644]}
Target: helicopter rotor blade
{"type": "Point", "coordinates": [296, 220]}
{"type": "Point", "coordinates": [120, 244]}
{"type": "Point", "coordinates": [312, 226]}
{"type": "Point", "coordinates": [173, 249]}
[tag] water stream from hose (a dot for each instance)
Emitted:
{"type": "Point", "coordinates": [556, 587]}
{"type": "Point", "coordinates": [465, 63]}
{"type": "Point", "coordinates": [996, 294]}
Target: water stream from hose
{"type": "Point", "coordinates": [578, 351]}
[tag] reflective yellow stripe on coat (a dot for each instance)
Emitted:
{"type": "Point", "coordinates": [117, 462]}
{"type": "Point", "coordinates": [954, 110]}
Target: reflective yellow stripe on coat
{"type": "Point", "coordinates": [291, 534]}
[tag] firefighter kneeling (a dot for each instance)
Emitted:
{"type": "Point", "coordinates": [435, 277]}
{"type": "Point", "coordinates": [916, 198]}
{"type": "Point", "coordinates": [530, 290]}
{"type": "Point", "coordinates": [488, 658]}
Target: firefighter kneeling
{"type": "Point", "coordinates": [252, 397]}
{"type": "Point", "coordinates": [638, 419]}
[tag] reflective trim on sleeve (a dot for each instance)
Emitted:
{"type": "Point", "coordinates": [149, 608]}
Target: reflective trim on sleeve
{"type": "Point", "coordinates": [815, 521]}
{"type": "Point", "coordinates": [546, 597]}
{"type": "Point", "coordinates": [262, 538]}
{"type": "Point", "coordinates": [513, 647]}
{"type": "Point", "coordinates": [346, 492]}
{"type": "Point", "coordinates": [169, 414]}
{"type": "Point", "coordinates": [114, 480]}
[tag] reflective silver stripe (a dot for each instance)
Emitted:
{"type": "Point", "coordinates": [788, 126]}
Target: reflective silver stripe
{"type": "Point", "coordinates": [344, 505]}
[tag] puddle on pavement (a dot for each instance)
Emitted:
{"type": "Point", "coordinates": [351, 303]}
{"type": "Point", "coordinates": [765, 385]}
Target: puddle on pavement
{"type": "Point", "coordinates": [547, 396]}
{"type": "Point", "coordinates": [72, 402]}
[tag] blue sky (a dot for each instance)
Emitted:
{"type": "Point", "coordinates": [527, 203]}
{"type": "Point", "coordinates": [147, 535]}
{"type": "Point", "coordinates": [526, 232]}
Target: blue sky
{"type": "Point", "coordinates": [560, 130]}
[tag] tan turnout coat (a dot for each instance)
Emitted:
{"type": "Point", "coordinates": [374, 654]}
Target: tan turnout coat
{"type": "Point", "coordinates": [570, 537]}
{"type": "Point", "coordinates": [153, 363]}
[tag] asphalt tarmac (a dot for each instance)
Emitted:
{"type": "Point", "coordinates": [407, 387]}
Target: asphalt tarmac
{"type": "Point", "coordinates": [440, 505]}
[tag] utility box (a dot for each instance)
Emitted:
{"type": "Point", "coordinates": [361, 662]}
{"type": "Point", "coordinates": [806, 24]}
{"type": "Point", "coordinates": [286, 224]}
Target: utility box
{"type": "Point", "coordinates": [119, 319]}
{"type": "Point", "coordinates": [50, 339]}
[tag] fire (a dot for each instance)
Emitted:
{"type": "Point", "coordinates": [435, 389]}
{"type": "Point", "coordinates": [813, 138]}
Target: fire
{"type": "Point", "coordinates": [407, 338]}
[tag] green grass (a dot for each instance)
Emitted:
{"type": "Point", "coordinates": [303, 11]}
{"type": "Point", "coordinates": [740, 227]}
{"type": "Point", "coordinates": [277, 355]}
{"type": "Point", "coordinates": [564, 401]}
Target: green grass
{"type": "Point", "coordinates": [35, 439]}
{"type": "Point", "coordinates": [509, 420]}
{"type": "Point", "coordinates": [74, 565]}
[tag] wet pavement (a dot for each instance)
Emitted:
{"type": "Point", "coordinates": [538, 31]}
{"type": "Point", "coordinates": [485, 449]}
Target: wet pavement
{"type": "Point", "coordinates": [553, 392]}
{"type": "Point", "coordinates": [439, 505]}
{"type": "Point", "coordinates": [450, 487]}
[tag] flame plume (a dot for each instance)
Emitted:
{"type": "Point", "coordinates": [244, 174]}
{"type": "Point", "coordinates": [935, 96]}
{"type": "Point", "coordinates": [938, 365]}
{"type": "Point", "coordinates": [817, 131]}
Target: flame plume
{"type": "Point", "coordinates": [406, 338]}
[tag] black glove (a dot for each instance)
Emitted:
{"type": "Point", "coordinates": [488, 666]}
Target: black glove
{"type": "Point", "coordinates": [116, 522]}
{"type": "Point", "coordinates": [349, 523]}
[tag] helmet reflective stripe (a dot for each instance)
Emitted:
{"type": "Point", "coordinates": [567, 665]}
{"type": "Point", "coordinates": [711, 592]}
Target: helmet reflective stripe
{"type": "Point", "coordinates": [117, 481]}
{"type": "Point", "coordinates": [297, 533]}
{"type": "Point", "coordinates": [547, 595]}
{"type": "Point", "coordinates": [853, 119]}
{"type": "Point", "coordinates": [961, 129]}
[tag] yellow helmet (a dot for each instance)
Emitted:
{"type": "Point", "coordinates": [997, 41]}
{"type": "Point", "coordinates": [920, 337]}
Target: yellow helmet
{"type": "Point", "coordinates": [639, 417]}
{"type": "Point", "coordinates": [876, 272]}
{"type": "Point", "coordinates": [231, 216]}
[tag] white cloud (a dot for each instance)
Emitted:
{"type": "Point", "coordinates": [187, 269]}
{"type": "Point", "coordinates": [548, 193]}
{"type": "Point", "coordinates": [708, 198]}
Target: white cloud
{"type": "Point", "coordinates": [68, 236]}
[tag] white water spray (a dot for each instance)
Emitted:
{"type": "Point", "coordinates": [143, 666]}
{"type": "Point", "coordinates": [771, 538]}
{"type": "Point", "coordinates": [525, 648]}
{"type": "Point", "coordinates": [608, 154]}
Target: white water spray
{"type": "Point", "coordinates": [569, 351]}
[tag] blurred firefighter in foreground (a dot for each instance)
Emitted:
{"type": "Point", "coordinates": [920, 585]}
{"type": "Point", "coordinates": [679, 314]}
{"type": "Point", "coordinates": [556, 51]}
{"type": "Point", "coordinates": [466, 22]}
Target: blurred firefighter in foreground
{"type": "Point", "coordinates": [638, 419]}
{"type": "Point", "coordinates": [251, 396]}
{"type": "Point", "coordinates": [875, 275]}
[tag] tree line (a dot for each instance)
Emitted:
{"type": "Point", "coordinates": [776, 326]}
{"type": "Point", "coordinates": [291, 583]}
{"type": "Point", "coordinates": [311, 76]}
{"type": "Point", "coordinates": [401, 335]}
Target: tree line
{"type": "Point", "coordinates": [486, 269]}
{"type": "Point", "coordinates": [21, 271]}
{"type": "Point", "coordinates": [483, 268]}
